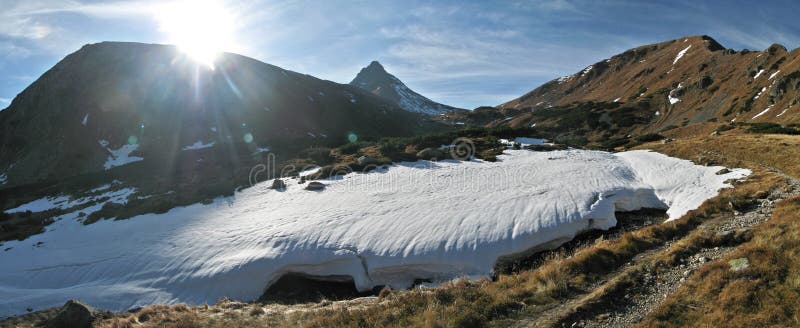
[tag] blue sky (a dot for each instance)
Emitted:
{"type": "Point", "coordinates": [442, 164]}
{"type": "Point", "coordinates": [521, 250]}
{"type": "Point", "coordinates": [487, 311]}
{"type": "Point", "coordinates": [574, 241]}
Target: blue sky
{"type": "Point", "coordinates": [460, 53]}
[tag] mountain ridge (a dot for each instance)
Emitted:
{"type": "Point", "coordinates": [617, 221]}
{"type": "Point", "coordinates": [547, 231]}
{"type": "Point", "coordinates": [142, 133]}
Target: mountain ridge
{"type": "Point", "coordinates": [110, 94]}
{"type": "Point", "coordinates": [691, 78]}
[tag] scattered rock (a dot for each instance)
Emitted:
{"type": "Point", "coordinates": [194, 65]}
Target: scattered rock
{"type": "Point", "coordinates": [315, 185]}
{"type": "Point", "coordinates": [739, 264]}
{"type": "Point", "coordinates": [724, 170]}
{"type": "Point", "coordinates": [74, 314]}
{"type": "Point", "coordinates": [278, 184]}
{"type": "Point", "coordinates": [715, 133]}
{"type": "Point", "coordinates": [666, 141]}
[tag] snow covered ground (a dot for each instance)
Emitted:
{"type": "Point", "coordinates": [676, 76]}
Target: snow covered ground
{"type": "Point", "coordinates": [428, 220]}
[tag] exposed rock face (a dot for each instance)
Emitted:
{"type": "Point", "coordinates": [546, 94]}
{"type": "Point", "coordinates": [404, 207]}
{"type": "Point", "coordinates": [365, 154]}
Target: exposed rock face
{"type": "Point", "coordinates": [376, 80]}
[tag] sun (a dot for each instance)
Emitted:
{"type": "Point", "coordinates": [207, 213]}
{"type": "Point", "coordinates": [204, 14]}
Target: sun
{"type": "Point", "coordinates": [200, 28]}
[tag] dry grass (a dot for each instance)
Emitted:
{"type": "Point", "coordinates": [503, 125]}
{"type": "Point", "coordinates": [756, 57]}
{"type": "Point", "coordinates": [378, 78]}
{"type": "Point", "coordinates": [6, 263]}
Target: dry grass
{"type": "Point", "coordinates": [765, 294]}
{"type": "Point", "coordinates": [739, 149]}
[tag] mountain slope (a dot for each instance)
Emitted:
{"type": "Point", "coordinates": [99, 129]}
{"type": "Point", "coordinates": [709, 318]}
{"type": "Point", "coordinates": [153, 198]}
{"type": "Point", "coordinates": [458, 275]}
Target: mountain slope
{"type": "Point", "coordinates": [682, 81]}
{"type": "Point", "coordinates": [112, 105]}
{"type": "Point", "coordinates": [376, 80]}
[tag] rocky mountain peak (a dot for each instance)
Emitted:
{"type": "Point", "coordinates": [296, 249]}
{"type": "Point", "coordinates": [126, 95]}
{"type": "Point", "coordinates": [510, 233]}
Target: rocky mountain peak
{"type": "Point", "coordinates": [375, 79]}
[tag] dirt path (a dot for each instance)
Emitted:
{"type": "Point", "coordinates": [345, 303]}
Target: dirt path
{"type": "Point", "coordinates": [653, 285]}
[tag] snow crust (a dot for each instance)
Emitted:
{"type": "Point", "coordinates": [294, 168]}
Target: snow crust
{"type": "Point", "coordinates": [428, 220]}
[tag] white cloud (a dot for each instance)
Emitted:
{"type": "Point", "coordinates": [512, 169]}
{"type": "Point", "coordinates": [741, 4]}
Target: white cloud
{"type": "Point", "coordinates": [5, 100]}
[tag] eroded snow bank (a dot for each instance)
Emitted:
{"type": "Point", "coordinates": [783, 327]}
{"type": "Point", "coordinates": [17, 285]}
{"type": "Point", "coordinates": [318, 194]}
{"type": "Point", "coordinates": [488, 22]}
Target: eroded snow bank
{"type": "Point", "coordinates": [415, 220]}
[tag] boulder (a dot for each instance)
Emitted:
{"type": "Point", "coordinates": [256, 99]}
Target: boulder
{"type": "Point", "coordinates": [723, 171]}
{"type": "Point", "coordinates": [278, 184]}
{"type": "Point", "coordinates": [74, 314]}
{"type": "Point", "coordinates": [315, 185]}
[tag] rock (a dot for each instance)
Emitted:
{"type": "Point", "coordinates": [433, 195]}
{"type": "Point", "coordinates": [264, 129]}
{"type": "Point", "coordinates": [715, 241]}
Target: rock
{"type": "Point", "coordinates": [666, 141]}
{"type": "Point", "coordinates": [367, 160]}
{"type": "Point", "coordinates": [431, 153]}
{"type": "Point", "coordinates": [278, 184]}
{"type": "Point", "coordinates": [315, 185]}
{"type": "Point", "coordinates": [739, 264]}
{"type": "Point", "coordinates": [724, 235]}
{"type": "Point", "coordinates": [74, 314]}
{"type": "Point", "coordinates": [302, 179]}
{"type": "Point", "coordinates": [715, 133]}
{"type": "Point", "coordinates": [723, 171]}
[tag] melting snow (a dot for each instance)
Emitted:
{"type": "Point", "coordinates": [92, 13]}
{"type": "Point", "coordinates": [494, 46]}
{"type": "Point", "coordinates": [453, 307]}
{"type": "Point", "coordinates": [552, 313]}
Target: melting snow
{"type": "Point", "coordinates": [415, 220]}
{"type": "Point", "coordinates": [121, 156]}
{"type": "Point", "coordinates": [262, 150]}
{"type": "Point", "coordinates": [760, 92]}
{"type": "Point", "coordinates": [63, 202]}
{"type": "Point", "coordinates": [762, 112]}
{"type": "Point", "coordinates": [758, 74]}
{"type": "Point", "coordinates": [680, 54]}
{"type": "Point", "coordinates": [674, 100]}
{"type": "Point", "coordinates": [617, 100]}
{"type": "Point", "coordinates": [85, 119]}
{"type": "Point", "coordinates": [524, 141]}
{"type": "Point", "coordinates": [774, 74]}
{"type": "Point", "coordinates": [199, 145]}
{"type": "Point", "coordinates": [587, 70]}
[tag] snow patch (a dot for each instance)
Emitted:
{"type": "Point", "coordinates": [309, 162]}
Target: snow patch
{"type": "Point", "coordinates": [758, 74]}
{"type": "Point", "coordinates": [85, 119]}
{"type": "Point", "coordinates": [121, 156]}
{"type": "Point", "coordinates": [389, 227]}
{"type": "Point", "coordinates": [760, 92]}
{"type": "Point", "coordinates": [680, 55]}
{"type": "Point", "coordinates": [773, 75]}
{"type": "Point", "coordinates": [587, 70]}
{"type": "Point", "coordinates": [63, 202]}
{"type": "Point", "coordinates": [617, 100]}
{"type": "Point", "coordinates": [762, 112]}
{"type": "Point", "coordinates": [672, 99]}
{"type": "Point", "coordinates": [199, 145]}
{"type": "Point", "coordinates": [784, 111]}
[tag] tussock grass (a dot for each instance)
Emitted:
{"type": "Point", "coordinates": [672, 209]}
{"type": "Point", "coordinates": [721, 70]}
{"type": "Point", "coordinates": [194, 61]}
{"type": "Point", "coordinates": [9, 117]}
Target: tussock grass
{"type": "Point", "coordinates": [767, 293]}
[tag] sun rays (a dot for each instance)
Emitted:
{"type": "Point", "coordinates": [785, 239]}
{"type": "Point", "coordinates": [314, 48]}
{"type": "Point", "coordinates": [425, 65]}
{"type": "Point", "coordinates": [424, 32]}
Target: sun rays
{"type": "Point", "coordinates": [201, 29]}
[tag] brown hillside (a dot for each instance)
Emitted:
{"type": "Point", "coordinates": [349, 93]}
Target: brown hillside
{"type": "Point", "coordinates": [692, 78]}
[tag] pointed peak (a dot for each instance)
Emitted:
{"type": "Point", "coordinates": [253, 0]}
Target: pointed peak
{"type": "Point", "coordinates": [375, 66]}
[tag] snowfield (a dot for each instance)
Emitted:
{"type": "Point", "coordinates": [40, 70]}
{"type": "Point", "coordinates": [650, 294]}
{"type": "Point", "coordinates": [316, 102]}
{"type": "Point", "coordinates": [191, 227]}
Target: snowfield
{"type": "Point", "coordinates": [427, 220]}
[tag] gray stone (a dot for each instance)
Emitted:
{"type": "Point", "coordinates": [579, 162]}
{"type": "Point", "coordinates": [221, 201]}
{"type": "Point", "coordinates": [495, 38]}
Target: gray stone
{"type": "Point", "coordinates": [315, 185]}
{"type": "Point", "coordinates": [74, 314]}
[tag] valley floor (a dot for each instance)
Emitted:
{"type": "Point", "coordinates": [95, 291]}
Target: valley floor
{"type": "Point", "coordinates": [733, 262]}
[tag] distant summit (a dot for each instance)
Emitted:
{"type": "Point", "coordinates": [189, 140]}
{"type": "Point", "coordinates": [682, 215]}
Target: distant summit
{"type": "Point", "coordinates": [376, 80]}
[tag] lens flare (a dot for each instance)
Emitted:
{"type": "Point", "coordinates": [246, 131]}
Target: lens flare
{"type": "Point", "coordinates": [201, 29]}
